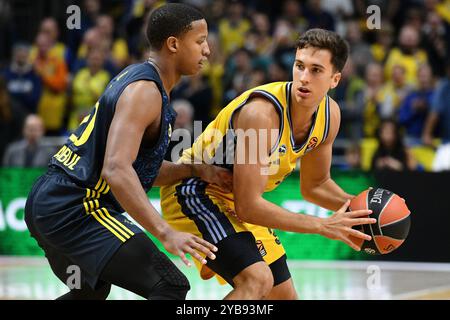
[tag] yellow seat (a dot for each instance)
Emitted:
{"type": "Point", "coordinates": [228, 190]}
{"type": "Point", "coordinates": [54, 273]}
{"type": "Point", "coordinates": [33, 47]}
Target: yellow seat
{"type": "Point", "coordinates": [424, 156]}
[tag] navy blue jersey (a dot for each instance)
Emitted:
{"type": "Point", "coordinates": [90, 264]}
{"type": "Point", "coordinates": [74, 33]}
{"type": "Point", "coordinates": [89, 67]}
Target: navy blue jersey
{"type": "Point", "coordinates": [81, 157]}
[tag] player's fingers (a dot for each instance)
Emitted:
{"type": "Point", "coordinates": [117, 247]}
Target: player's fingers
{"type": "Point", "coordinates": [351, 244]}
{"type": "Point", "coordinates": [345, 206]}
{"type": "Point", "coordinates": [185, 260]}
{"type": "Point", "coordinates": [360, 221]}
{"type": "Point", "coordinates": [194, 254]}
{"type": "Point", "coordinates": [359, 213]}
{"type": "Point", "coordinates": [205, 243]}
{"type": "Point", "coordinates": [358, 234]}
{"type": "Point", "coordinates": [203, 249]}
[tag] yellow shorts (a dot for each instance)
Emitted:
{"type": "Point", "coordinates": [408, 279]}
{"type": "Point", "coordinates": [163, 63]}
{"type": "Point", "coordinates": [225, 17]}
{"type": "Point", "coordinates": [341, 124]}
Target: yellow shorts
{"type": "Point", "coordinates": [204, 210]}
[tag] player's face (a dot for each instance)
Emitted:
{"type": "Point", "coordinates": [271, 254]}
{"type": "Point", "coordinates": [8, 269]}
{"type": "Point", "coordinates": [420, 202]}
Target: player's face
{"type": "Point", "coordinates": [194, 50]}
{"type": "Point", "coordinates": [313, 75]}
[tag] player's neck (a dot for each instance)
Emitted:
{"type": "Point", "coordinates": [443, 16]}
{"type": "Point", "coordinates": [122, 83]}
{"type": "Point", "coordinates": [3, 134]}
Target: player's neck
{"type": "Point", "coordinates": [301, 113]}
{"type": "Point", "coordinates": [166, 70]}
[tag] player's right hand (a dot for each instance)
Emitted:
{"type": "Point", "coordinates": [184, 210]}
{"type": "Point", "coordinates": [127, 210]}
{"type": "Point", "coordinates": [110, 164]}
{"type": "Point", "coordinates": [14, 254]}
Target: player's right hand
{"type": "Point", "coordinates": [339, 225]}
{"type": "Point", "coordinates": [182, 243]}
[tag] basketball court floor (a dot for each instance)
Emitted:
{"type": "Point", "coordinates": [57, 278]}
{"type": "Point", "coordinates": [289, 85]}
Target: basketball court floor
{"type": "Point", "coordinates": [31, 278]}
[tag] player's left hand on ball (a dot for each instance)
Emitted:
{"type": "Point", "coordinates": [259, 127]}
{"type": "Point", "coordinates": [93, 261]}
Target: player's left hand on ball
{"type": "Point", "coordinates": [339, 225]}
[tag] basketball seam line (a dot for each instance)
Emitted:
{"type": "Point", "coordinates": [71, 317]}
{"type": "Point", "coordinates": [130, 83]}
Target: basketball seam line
{"type": "Point", "coordinates": [397, 220]}
{"type": "Point", "coordinates": [370, 226]}
{"type": "Point", "coordinates": [381, 212]}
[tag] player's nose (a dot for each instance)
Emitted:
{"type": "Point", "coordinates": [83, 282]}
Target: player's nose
{"type": "Point", "coordinates": [206, 51]}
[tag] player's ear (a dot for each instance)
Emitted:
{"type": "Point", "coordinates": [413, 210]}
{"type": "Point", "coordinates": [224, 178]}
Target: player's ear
{"type": "Point", "coordinates": [335, 80]}
{"type": "Point", "coordinates": [172, 44]}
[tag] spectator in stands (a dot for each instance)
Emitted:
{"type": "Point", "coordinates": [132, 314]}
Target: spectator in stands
{"type": "Point", "coordinates": [233, 28]}
{"type": "Point", "coordinates": [87, 86]}
{"type": "Point", "coordinates": [11, 118]}
{"type": "Point", "coordinates": [352, 157]}
{"type": "Point", "coordinates": [182, 134]}
{"type": "Point", "coordinates": [214, 70]}
{"type": "Point", "coordinates": [198, 92]}
{"type": "Point", "coordinates": [293, 15]}
{"type": "Point", "coordinates": [23, 84]}
{"type": "Point", "coordinates": [391, 153]}
{"type": "Point", "coordinates": [359, 49]}
{"type": "Point", "coordinates": [238, 74]}
{"type": "Point", "coordinates": [116, 45]}
{"type": "Point", "coordinates": [49, 27]}
{"type": "Point", "coordinates": [277, 72]}
{"type": "Point", "coordinates": [383, 42]}
{"type": "Point", "coordinates": [54, 74]}
{"type": "Point", "coordinates": [414, 109]}
{"type": "Point", "coordinates": [93, 39]}
{"type": "Point", "coordinates": [369, 99]}
{"type": "Point", "coordinates": [350, 88]}
{"type": "Point", "coordinates": [259, 39]}
{"type": "Point", "coordinates": [435, 33]}
{"type": "Point", "coordinates": [284, 41]}
{"type": "Point", "coordinates": [90, 10]}
{"type": "Point", "coordinates": [318, 17]}
{"type": "Point", "coordinates": [393, 93]}
{"type": "Point", "coordinates": [407, 54]}
{"type": "Point", "coordinates": [440, 112]}
{"type": "Point", "coordinates": [29, 152]}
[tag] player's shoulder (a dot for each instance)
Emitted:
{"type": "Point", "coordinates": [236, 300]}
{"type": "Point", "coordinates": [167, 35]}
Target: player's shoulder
{"type": "Point", "coordinates": [335, 111]}
{"type": "Point", "coordinates": [259, 112]}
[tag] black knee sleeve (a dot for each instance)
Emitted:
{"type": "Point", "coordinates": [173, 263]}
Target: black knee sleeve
{"type": "Point", "coordinates": [173, 284]}
{"type": "Point", "coordinates": [87, 293]}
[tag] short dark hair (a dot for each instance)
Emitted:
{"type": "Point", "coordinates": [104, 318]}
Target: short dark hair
{"type": "Point", "coordinates": [173, 19]}
{"type": "Point", "coordinates": [324, 39]}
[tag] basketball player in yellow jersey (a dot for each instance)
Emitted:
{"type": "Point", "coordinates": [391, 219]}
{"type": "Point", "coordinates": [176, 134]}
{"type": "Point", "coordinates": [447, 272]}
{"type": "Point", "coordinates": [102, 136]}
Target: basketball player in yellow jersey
{"type": "Point", "coordinates": [250, 256]}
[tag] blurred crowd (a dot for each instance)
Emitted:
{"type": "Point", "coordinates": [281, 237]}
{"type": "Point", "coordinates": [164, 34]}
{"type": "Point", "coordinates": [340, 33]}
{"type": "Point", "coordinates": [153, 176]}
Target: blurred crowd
{"type": "Point", "coordinates": [394, 94]}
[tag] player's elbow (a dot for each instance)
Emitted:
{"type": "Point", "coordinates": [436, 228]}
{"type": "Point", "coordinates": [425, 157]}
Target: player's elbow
{"type": "Point", "coordinates": [307, 193]}
{"type": "Point", "coordinates": [242, 210]}
{"type": "Point", "coordinates": [111, 172]}
{"type": "Point", "coordinates": [245, 209]}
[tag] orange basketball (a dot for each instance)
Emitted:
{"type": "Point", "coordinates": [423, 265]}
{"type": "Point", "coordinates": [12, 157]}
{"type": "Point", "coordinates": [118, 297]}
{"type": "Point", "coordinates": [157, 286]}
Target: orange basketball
{"type": "Point", "coordinates": [393, 220]}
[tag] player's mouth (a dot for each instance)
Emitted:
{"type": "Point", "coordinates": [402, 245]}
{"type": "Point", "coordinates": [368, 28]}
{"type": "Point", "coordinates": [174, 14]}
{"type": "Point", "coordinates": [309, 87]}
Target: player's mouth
{"type": "Point", "coordinates": [303, 92]}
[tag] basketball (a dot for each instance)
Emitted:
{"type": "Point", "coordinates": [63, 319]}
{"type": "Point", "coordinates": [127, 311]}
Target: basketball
{"type": "Point", "coordinates": [393, 220]}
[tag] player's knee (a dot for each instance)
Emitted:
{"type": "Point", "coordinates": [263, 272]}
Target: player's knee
{"type": "Point", "coordinates": [256, 279]}
{"type": "Point", "coordinates": [170, 290]}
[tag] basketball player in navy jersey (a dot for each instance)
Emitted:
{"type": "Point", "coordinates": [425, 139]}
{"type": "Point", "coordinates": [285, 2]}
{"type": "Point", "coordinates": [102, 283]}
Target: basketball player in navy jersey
{"type": "Point", "coordinates": [75, 211]}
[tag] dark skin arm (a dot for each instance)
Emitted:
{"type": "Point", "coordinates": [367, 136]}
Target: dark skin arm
{"type": "Point", "coordinates": [138, 112]}
{"type": "Point", "coordinates": [249, 184]}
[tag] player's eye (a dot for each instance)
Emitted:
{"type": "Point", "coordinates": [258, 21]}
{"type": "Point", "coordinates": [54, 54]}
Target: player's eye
{"type": "Point", "coordinates": [300, 67]}
{"type": "Point", "coordinates": [317, 70]}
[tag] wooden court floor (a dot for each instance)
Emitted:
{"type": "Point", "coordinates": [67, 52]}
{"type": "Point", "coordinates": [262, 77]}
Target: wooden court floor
{"type": "Point", "coordinates": [31, 278]}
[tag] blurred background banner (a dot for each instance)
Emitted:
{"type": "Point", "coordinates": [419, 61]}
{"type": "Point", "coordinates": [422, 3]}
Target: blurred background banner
{"type": "Point", "coordinates": [428, 240]}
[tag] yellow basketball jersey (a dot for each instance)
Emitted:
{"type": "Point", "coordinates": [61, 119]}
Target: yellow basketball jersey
{"type": "Point", "coordinates": [216, 143]}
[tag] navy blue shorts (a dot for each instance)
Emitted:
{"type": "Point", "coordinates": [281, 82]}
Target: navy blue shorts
{"type": "Point", "coordinates": [75, 226]}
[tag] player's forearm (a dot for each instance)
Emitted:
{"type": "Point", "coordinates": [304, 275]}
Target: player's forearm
{"type": "Point", "coordinates": [263, 212]}
{"type": "Point", "coordinates": [172, 172]}
{"type": "Point", "coordinates": [125, 186]}
{"type": "Point", "coordinates": [327, 195]}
